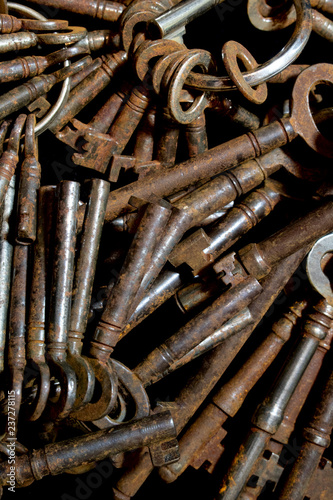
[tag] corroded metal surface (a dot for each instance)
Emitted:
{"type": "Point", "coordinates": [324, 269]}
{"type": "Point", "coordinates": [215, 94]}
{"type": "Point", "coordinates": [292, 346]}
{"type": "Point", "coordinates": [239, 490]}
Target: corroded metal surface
{"type": "Point", "coordinates": [157, 220]}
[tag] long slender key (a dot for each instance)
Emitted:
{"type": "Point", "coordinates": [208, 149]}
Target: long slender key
{"type": "Point", "coordinates": [269, 414]}
{"type": "Point", "coordinates": [9, 159]}
{"type": "Point", "coordinates": [201, 436]}
{"type": "Point", "coordinates": [29, 185]}
{"type": "Point", "coordinates": [236, 151]}
{"type": "Point", "coordinates": [317, 433]}
{"type": "Point", "coordinates": [101, 147]}
{"type": "Point", "coordinates": [21, 96]}
{"type": "Point", "coordinates": [256, 259]}
{"type": "Point", "coordinates": [16, 341]}
{"type": "Point", "coordinates": [113, 319]}
{"type": "Point", "coordinates": [201, 248]}
{"type": "Point", "coordinates": [6, 253]}
{"type": "Point", "coordinates": [230, 303]}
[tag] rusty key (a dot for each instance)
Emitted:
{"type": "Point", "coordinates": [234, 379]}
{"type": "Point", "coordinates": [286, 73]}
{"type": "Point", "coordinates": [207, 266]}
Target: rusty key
{"type": "Point", "coordinates": [200, 249]}
{"type": "Point", "coordinates": [267, 467]}
{"type": "Point", "coordinates": [16, 339]}
{"type": "Point", "coordinates": [144, 143]}
{"type": "Point", "coordinates": [235, 151]}
{"type": "Point", "coordinates": [60, 404]}
{"type": "Point", "coordinates": [21, 96]}
{"type": "Point", "coordinates": [256, 259]}
{"type": "Point", "coordinates": [201, 326]}
{"type": "Point", "coordinates": [109, 11]}
{"type": "Point", "coordinates": [99, 148]}
{"type": "Point", "coordinates": [56, 458]}
{"type": "Point", "coordinates": [37, 367]}
{"type": "Point", "coordinates": [29, 66]}
{"type": "Point", "coordinates": [6, 256]}
{"type": "Point", "coordinates": [317, 434]}
{"type": "Point", "coordinates": [89, 88]}
{"type": "Point", "coordinates": [113, 319]}
{"type": "Point", "coordinates": [29, 185]}
{"type": "Point", "coordinates": [82, 290]}
{"type": "Point", "coordinates": [227, 401]}
{"type": "Point", "coordinates": [100, 122]}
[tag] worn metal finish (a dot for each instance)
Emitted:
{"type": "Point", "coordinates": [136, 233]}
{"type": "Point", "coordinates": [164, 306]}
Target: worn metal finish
{"type": "Point", "coordinates": [109, 11]}
{"type": "Point", "coordinates": [60, 301]}
{"type": "Point", "coordinates": [21, 96]}
{"type": "Point", "coordinates": [235, 151]}
{"type": "Point", "coordinates": [227, 401]}
{"type": "Point", "coordinates": [201, 248]}
{"type": "Point", "coordinates": [101, 122]}
{"type": "Point", "coordinates": [264, 468]}
{"type": "Point", "coordinates": [28, 187]}
{"type": "Point", "coordinates": [16, 339]}
{"type": "Point", "coordinates": [145, 137]}
{"type": "Point", "coordinates": [101, 147]}
{"type": "Point", "coordinates": [11, 24]}
{"type": "Point", "coordinates": [212, 368]}
{"type": "Point", "coordinates": [9, 158]}
{"type": "Point", "coordinates": [167, 141]}
{"type": "Point", "coordinates": [6, 256]}
{"type": "Point", "coordinates": [316, 439]}
{"type": "Point", "coordinates": [30, 66]}
{"type": "Point", "coordinates": [56, 458]}
{"type": "Point", "coordinates": [82, 289]}
{"type": "Point", "coordinates": [270, 68]}
{"type": "Point", "coordinates": [269, 414]}
{"type": "Point", "coordinates": [256, 259]}
{"type": "Point", "coordinates": [36, 362]}
{"type": "Point", "coordinates": [204, 324]}
{"type": "Point", "coordinates": [196, 136]}
{"type": "Point", "coordinates": [91, 86]}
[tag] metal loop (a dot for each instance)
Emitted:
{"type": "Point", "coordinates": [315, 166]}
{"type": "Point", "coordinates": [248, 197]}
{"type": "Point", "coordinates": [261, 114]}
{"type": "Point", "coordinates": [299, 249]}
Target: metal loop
{"type": "Point", "coordinates": [231, 51]}
{"type": "Point", "coordinates": [200, 58]}
{"type": "Point", "coordinates": [265, 71]}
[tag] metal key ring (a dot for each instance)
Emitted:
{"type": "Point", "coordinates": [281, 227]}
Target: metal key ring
{"type": "Point", "coordinates": [43, 124]}
{"type": "Point", "coordinates": [200, 58]}
{"type": "Point", "coordinates": [265, 71]}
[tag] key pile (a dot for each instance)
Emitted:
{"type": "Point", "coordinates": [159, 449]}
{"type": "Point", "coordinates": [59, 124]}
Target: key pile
{"type": "Point", "coordinates": [166, 218]}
